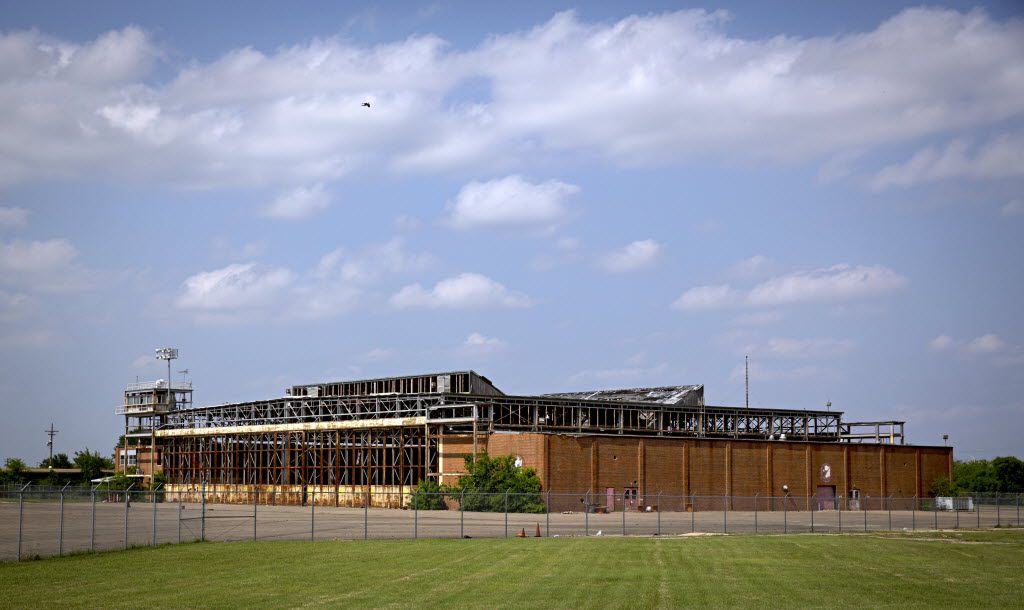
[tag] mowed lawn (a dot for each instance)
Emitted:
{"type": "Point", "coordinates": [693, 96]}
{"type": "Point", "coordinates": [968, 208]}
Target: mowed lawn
{"type": "Point", "coordinates": [948, 569]}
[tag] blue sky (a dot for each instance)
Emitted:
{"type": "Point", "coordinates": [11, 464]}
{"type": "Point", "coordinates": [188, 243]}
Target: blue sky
{"type": "Point", "coordinates": [559, 198]}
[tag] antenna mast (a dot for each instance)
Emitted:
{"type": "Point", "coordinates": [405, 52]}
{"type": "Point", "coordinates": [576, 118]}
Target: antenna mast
{"type": "Point", "coordinates": [746, 378]}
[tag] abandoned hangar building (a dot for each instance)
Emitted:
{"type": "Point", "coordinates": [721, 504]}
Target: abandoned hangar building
{"type": "Point", "coordinates": [383, 436]}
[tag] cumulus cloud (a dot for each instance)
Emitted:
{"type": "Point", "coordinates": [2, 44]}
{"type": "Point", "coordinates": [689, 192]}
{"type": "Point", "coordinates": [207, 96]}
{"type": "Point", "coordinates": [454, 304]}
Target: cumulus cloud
{"type": "Point", "coordinates": [832, 284]}
{"type": "Point", "coordinates": [707, 297]}
{"type": "Point", "coordinates": [234, 287]}
{"type": "Point", "coordinates": [49, 265]}
{"type": "Point", "coordinates": [808, 348]}
{"type": "Point", "coordinates": [1013, 208]}
{"type": "Point", "coordinates": [999, 157]}
{"type": "Point", "coordinates": [942, 342]}
{"type": "Point", "coordinates": [335, 285]}
{"type": "Point", "coordinates": [637, 255]}
{"type": "Point", "coordinates": [986, 344]}
{"type": "Point", "coordinates": [13, 217]}
{"type": "Point", "coordinates": [621, 376]}
{"type": "Point", "coordinates": [989, 343]}
{"type": "Point", "coordinates": [300, 202]}
{"type": "Point", "coordinates": [36, 256]}
{"type": "Point", "coordinates": [477, 343]}
{"type": "Point", "coordinates": [651, 89]}
{"type": "Point", "coordinates": [467, 290]}
{"type": "Point", "coordinates": [836, 283]}
{"type": "Point", "coordinates": [511, 202]}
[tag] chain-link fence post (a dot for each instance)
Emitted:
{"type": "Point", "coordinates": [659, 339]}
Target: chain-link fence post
{"type": "Point", "coordinates": [462, 515]}
{"type": "Point", "coordinates": [811, 506]}
{"type": "Point", "coordinates": [935, 511]}
{"type": "Point", "coordinates": [60, 525]}
{"type": "Point", "coordinates": [255, 498]}
{"type": "Point", "coordinates": [127, 505]}
{"type": "Point", "coordinates": [867, 499]}
{"type": "Point", "coordinates": [888, 506]}
{"type": "Point", "coordinates": [586, 514]}
{"type": "Point", "coordinates": [623, 513]}
{"type": "Point", "coordinates": [839, 505]}
{"type": "Point", "coordinates": [506, 513]}
{"type": "Point", "coordinates": [785, 514]}
{"type": "Point", "coordinates": [755, 510]}
{"type": "Point", "coordinates": [693, 514]}
{"type": "Point", "coordinates": [1018, 510]}
{"type": "Point", "coordinates": [312, 516]}
{"type": "Point", "coordinates": [153, 493]}
{"type": "Point", "coordinates": [547, 516]}
{"type": "Point", "coordinates": [202, 514]}
{"type": "Point", "coordinates": [179, 517]}
{"type": "Point", "coordinates": [659, 513]}
{"type": "Point", "coordinates": [21, 515]}
{"type": "Point", "coordinates": [725, 510]}
{"type": "Point", "coordinates": [366, 515]}
{"type": "Point", "coordinates": [998, 514]}
{"type": "Point", "coordinates": [416, 516]}
{"type": "Point", "coordinates": [92, 519]}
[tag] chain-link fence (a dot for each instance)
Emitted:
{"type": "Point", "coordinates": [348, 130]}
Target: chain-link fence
{"type": "Point", "coordinates": [37, 522]}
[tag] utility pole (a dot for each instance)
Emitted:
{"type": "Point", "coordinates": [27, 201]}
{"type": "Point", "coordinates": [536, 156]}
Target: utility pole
{"type": "Point", "coordinates": [51, 433]}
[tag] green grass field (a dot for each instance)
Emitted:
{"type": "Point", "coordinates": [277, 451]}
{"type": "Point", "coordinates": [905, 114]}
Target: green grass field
{"type": "Point", "coordinates": [950, 569]}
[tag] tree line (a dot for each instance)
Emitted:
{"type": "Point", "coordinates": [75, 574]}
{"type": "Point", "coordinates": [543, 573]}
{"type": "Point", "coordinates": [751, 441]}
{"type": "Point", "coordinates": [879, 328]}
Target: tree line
{"type": "Point", "coordinates": [998, 475]}
{"type": "Point", "coordinates": [91, 463]}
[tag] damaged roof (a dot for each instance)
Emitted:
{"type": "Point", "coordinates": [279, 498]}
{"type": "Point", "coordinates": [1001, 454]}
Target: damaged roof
{"type": "Point", "coordinates": [687, 395]}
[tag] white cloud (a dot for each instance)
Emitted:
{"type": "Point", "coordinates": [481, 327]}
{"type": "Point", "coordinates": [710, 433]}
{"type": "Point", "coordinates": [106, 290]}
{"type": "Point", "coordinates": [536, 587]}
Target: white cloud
{"type": "Point", "coordinates": [832, 284]}
{"type": "Point", "coordinates": [759, 318]}
{"type": "Point", "coordinates": [373, 262]}
{"type": "Point", "coordinates": [707, 297]}
{"type": "Point", "coordinates": [44, 266]}
{"type": "Point", "coordinates": [836, 283]}
{"type": "Point", "coordinates": [637, 255]}
{"type": "Point", "coordinates": [511, 202]}
{"type": "Point", "coordinates": [237, 286]}
{"type": "Point", "coordinates": [755, 266]}
{"type": "Point", "coordinates": [999, 157]}
{"type": "Point", "coordinates": [567, 243]}
{"type": "Point", "coordinates": [297, 203]}
{"type": "Point", "coordinates": [377, 354]}
{"type": "Point", "coordinates": [651, 89]}
{"type": "Point", "coordinates": [36, 256]}
{"type": "Point", "coordinates": [1013, 208]}
{"type": "Point", "coordinates": [808, 348]}
{"type": "Point", "coordinates": [986, 344]}
{"type": "Point", "coordinates": [761, 372]}
{"type": "Point", "coordinates": [477, 343]}
{"type": "Point", "coordinates": [13, 217]}
{"type": "Point", "coordinates": [13, 305]}
{"type": "Point", "coordinates": [624, 376]}
{"type": "Point", "coordinates": [989, 343]}
{"type": "Point", "coordinates": [338, 283]}
{"type": "Point", "coordinates": [467, 290]}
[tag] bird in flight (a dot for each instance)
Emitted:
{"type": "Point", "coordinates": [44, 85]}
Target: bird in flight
{"type": "Point", "coordinates": [367, 104]}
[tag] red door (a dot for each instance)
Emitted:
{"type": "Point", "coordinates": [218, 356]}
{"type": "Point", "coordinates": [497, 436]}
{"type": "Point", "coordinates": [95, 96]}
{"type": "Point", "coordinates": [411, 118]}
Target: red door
{"type": "Point", "coordinates": [609, 500]}
{"type": "Point", "coordinates": [826, 497]}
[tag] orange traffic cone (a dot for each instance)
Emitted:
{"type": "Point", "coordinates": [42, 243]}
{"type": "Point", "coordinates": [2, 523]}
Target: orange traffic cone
{"type": "Point", "coordinates": [522, 533]}
{"type": "Point", "coordinates": [536, 534]}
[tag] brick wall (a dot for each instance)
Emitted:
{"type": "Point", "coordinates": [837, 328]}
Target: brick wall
{"type": "Point", "coordinates": [712, 467]}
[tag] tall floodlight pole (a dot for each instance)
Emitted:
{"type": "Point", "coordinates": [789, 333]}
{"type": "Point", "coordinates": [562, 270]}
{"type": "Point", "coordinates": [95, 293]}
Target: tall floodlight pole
{"type": "Point", "coordinates": [168, 354]}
